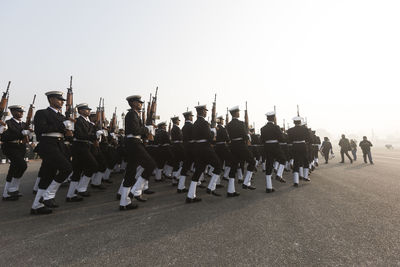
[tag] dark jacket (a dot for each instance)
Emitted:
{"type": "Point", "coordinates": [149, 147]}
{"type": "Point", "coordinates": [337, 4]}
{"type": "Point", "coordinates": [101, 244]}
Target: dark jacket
{"type": "Point", "coordinates": [202, 130]}
{"type": "Point", "coordinates": [84, 130]}
{"type": "Point", "coordinates": [237, 129]}
{"type": "Point", "coordinates": [270, 131]}
{"type": "Point", "coordinates": [365, 146]}
{"type": "Point", "coordinates": [14, 131]}
{"type": "Point", "coordinates": [344, 144]}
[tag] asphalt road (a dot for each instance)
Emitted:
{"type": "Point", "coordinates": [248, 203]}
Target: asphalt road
{"type": "Point", "coordinates": [349, 215]}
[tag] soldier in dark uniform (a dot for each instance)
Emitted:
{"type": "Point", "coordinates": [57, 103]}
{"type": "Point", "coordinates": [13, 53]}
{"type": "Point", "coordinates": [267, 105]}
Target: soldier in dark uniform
{"type": "Point", "coordinates": [221, 146]}
{"type": "Point", "coordinates": [164, 154]}
{"type": "Point", "coordinates": [84, 163]}
{"type": "Point", "coordinates": [135, 131]}
{"type": "Point", "coordinates": [271, 136]}
{"type": "Point", "coordinates": [188, 144]}
{"type": "Point", "coordinates": [239, 137]}
{"type": "Point", "coordinates": [326, 147]}
{"type": "Point", "coordinates": [366, 145]}
{"type": "Point", "coordinates": [298, 136]}
{"type": "Point", "coordinates": [14, 147]}
{"type": "Point", "coordinates": [177, 149]}
{"type": "Point", "coordinates": [50, 127]}
{"type": "Point", "coordinates": [316, 143]}
{"type": "Point", "coordinates": [204, 155]}
{"type": "Point", "coordinates": [345, 148]}
{"type": "Point", "coordinates": [284, 148]}
{"type": "Point", "coordinates": [255, 143]}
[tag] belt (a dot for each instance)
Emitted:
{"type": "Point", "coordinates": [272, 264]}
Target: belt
{"type": "Point", "coordinates": [57, 135]}
{"type": "Point", "coordinates": [133, 136]}
{"type": "Point", "coordinates": [67, 143]}
{"type": "Point", "coordinates": [15, 141]}
{"type": "Point", "coordinates": [201, 141]}
{"type": "Point", "coordinates": [191, 141]}
{"type": "Point", "coordinates": [299, 142]}
{"type": "Point", "coordinates": [164, 145]}
{"type": "Point", "coordinates": [220, 143]}
{"type": "Point", "coordinates": [271, 141]}
{"type": "Point", "coordinates": [237, 139]}
{"type": "Point", "coordinates": [83, 141]}
{"type": "Point", "coordinates": [283, 143]}
{"type": "Point", "coordinates": [315, 145]}
{"type": "Point", "coordinates": [177, 142]}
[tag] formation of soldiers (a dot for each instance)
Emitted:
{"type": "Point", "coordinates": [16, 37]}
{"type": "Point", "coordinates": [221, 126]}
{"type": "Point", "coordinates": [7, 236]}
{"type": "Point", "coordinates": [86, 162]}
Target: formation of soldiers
{"type": "Point", "coordinates": [80, 149]}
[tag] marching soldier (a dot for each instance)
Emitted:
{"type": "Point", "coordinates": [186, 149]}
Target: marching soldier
{"type": "Point", "coordinates": [221, 146]}
{"type": "Point", "coordinates": [188, 144]}
{"type": "Point", "coordinates": [298, 136]}
{"type": "Point", "coordinates": [14, 147]}
{"type": "Point", "coordinates": [177, 148]}
{"type": "Point", "coordinates": [137, 155]}
{"type": "Point", "coordinates": [51, 126]}
{"type": "Point", "coordinates": [271, 136]}
{"type": "Point", "coordinates": [326, 147]}
{"type": "Point", "coordinates": [203, 136]}
{"type": "Point", "coordinates": [84, 163]}
{"type": "Point", "coordinates": [164, 155]}
{"type": "Point", "coordinates": [345, 148]}
{"type": "Point", "coordinates": [238, 134]}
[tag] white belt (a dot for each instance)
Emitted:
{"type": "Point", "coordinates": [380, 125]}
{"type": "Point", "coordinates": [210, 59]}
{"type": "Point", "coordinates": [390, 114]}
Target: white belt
{"type": "Point", "coordinates": [133, 136]}
{"type": "Point", "coordinates": [220, 143]}
{"type": "Point", "coordinates": [201, 141]}
{"type": "Point", "coordinates": [237, 139]}
{"type": "Point", "coordinates": [58, 135]}
{"type": "Point", "coordinates": [191, 141]}
{"type": "Point", "coordinates": [299, 142]}
{"type": "Point", "coordinates": [177, 142]}
{"type": "Point", "coordinates": [164, 145]}
{"type": "Point", "coordinates": [283, 143]}
{"type": "Point", "coordinates": [271, 141]}
{"type": "Point", "coordinates": [315, 145]}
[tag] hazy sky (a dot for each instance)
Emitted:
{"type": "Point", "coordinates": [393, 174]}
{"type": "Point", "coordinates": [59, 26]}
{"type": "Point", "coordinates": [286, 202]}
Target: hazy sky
{"type": "Point", "coordinates": [339, 60]}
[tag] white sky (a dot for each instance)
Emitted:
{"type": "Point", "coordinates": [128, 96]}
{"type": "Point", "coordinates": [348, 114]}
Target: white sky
{"type": "Point", "coordinates": [339, 60]}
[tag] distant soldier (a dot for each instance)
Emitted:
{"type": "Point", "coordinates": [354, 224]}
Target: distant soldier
{"type": "Point", "coordinates": [14, 147]}
{"type": "Point", "coordinates": [271, 136]}
{"type": "Point", "coordinates": [221, 146]}
{"type": "Point", "coordinates": [239, 137]}
{"type": "Point", "coordinates": [51, 126]}
{"type": "Point", "coordinates": [164, 154]}
{"type": "Point", "coordinates": [177, 148]}
{"type": "Point", "coordinates": [188, 144]}
{"type": "Point", "coordinates": [299, 136]}
{"type": "Point", "coordinates": [353, 145]}
{"type": "Point", "coordinates": [366, 149]}
{"type": "Point", "coordinates": [345, 148]}
{"type": "Point", "coordinates": [326, 148]}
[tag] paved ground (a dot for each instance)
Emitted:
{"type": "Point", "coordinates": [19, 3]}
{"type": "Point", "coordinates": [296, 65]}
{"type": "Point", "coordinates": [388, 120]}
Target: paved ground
{"type": "Point", "coordinates": [347, 215]}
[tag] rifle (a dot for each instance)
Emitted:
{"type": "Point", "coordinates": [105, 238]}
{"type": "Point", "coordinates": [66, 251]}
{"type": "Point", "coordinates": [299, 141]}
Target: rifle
{"type": "Point", "coordinates": [103, 117]}
{"type": "Point", "coordinates": [214, 113]}
{"type": "Point", "coordinates": [246, 118]}
{"type": "Point", "coordinates": [169, 127]}
{"type": "Point", "coordinates": [29, 119]}
{"type": "Point", "coordinates": [275, 115]}
{"type": "Point", "coordinates": [148, 109]}
{"type": "Point", "coordinates": [99, 122]}
{"type": "Point", "coordinates": [69, 107]}
{"type": "Point", "coordinates": [4, 102]}
{"type": "Point", "coordinates": [298, 112]}
{"type": "Point", "coordinates": [152, 114]}
{"type": "Point", "coordinates": [144, 114]}
{"type": "Point", "coordinates": [227, 117]}
{"type": "Point", "coordinates": [284, 126]}
{"type": "Point", "coordinates": [113, 123]}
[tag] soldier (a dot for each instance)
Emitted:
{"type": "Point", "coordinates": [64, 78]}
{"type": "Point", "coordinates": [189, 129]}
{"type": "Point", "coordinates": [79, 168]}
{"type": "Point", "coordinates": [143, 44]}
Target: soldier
{"type": "Point", "coordinates": [137, 155]}
{"type": "Point", "coordinates": [366, 149]}
{"type": "Point", "coordinates": [164, 154]}
{"type": "Point", "coordinates": [271, 136]}
{"type": "Point", "coordinates": [188, 144]}
{"type": "Point", "coordinates": [326, 147]}
{"type": "Point", "coordinates": [84, 163]}
{"type": "Point", "coordinates": [14, 147]}
{"type": "Point", "coordinates": [298, 136]}
{"type": "Point", "coordinates": [221, 146]}
{"type": "Point", "coordinates": [345, 148]}
{"type": "Point", "coordinates": [203, 135]}
{"type": "Point", "coordinates": [50, 128]}
{"type": "Point", "coordinates": [177, 148]}
{"type": "Point", "coordinates": [254, 148]}
{"type": "Point", "coordinates": [239, 137]}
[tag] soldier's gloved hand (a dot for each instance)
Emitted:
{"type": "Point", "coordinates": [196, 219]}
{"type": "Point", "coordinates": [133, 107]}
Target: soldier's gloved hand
{"type": "Point", "coordinates": [214, 130]}
{"type": "Point", "coordinates": [68, 125]}
{"type": "Point", "coordinates": [151, 129]}
{"type": "Point", "coordinates": [99, 133]}
{"type": "Point", "coordinates": [3, 128]}
{"type": "Point", "coordinates": [105, 132]}
{"type": "Point", "coordinates": [25, 132]}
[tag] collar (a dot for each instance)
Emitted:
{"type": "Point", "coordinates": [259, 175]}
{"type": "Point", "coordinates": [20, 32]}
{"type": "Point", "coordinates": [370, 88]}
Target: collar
{"type": "Point", "coordinates": [17, 121]}
{"type": "Point", "coordinates": [85, 118]}
{"type": "Point", "coordinates": [55, 110]}
{"type": "Point", "coordinates": [189, 121]}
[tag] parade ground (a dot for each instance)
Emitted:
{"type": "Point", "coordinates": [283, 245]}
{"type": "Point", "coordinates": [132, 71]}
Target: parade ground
{"type": "Point", "coordinates": [348, 215]}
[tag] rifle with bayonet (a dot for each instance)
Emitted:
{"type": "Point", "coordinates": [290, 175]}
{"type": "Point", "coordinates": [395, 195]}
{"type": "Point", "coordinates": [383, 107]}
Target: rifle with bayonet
{"type": "Point", "coordinates": [4, 103]}
{"type": "Point", "coordinates": [113, 123]}
{"type": "Point", "coordinates": [246, 118]}
{"type": "Point", "coordinates": [214, 113]}
{"type": "Point", "coordinates": [28, 121]}
{"type": "Point", "coordinates": [151, 119]}
{"type": "Point", "coordinates": [99, 122]}
{"type": "Point", "coordinates": [227, 117]}
{"type": "Point", "coordinates": [69, 106]}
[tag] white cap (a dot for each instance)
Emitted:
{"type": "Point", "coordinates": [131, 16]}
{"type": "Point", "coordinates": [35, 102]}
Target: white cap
{"type": "Point", "coordinates": [201, 107]}
{"type": "Point", "coordinates": [297, 118]}
{"type": "Point", "coordinates": [57, 94]}
{"type": "Point", "coordinates": [83, 105]}
{"type": "Point", "coordinates": [135, 98]}
{"type": "Point", "coordinates": [271, 113]}
{"type": "Point", "coordinates": [235, 108]}
{"type": "Point", "coordinates": [16, 107]}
